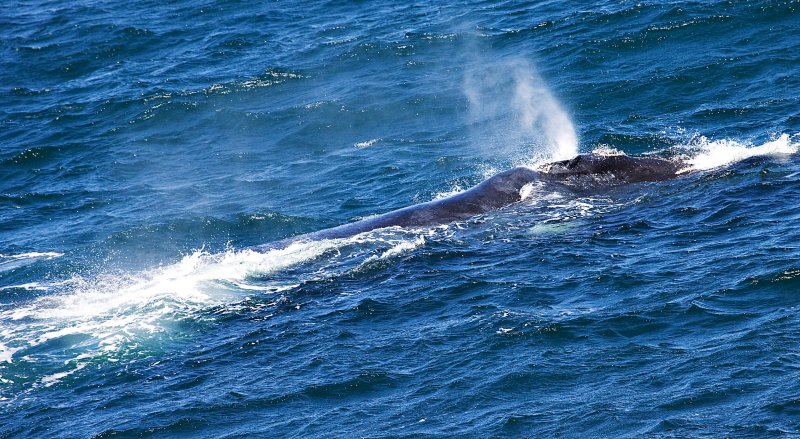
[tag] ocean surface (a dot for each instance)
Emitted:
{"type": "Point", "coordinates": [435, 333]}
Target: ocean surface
{"type": "Point", "coordinates": [145, 146]}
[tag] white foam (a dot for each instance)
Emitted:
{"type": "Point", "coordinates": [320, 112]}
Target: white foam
{"type": "Point", "coordinates": [704, 154]}
{"type": "Point", "coordinates": [398, 249]}
{"type": "Point", "coordinates": [537, 188]}
{"type": "Point", "coordinates": [32, 255]}
{"type": "Point", "coordinates": [607, 151]}
{"type": "Point", "coordinates": [193, 281]}
{"type": "Point", "coordinates": [6, 353]}
{"type": "Point", "coordinates": [10, 262]}
{"type": "Point", "coordinates": [551, 228]}
{"type": "Point", "coordinates": [455, 190]}
{"type": "Point", "coordinates": [30, 286]}
{"type": "Point", "coordinates": [49, 380]}
{"type": "Point", "coordinates": [366, 143]}
{"type": "Point", "coordinates": [105, 316]}
{"type": "Point", "coordinates": [111, 312]}
{"type": "Point", "coordinates": [526, 191]}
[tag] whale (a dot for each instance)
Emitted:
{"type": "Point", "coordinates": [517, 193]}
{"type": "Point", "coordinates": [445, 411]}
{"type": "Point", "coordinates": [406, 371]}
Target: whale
{"type": "Point", "coordinates": [504, 189]}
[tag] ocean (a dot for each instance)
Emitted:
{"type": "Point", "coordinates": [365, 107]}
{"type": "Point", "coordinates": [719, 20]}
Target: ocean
{"type": "Point", "coordinates": [146, 146]}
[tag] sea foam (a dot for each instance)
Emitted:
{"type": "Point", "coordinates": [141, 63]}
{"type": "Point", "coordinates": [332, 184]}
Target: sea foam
{"type": "Point", "coordinates": [705, 154]}
{"type": "Point", "coordinates": [112, 313]}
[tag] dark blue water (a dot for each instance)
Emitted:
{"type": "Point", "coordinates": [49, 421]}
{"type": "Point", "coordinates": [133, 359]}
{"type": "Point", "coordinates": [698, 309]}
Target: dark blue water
{"type": "Point", "coordinates": [144, 147]}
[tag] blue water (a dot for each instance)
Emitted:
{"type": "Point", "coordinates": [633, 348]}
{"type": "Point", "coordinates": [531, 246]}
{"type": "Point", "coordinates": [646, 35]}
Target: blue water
{"type": "Point", "coordinates": [144, 147]}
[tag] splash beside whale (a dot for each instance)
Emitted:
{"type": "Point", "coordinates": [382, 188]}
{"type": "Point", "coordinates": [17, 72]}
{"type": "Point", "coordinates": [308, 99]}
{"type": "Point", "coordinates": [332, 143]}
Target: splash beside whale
{"type": "Point", "coordinates": [502, 190]}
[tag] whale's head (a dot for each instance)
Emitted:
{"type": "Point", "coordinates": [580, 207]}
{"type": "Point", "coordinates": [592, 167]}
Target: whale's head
{"type": "Point", "coordinates": [612, 168]}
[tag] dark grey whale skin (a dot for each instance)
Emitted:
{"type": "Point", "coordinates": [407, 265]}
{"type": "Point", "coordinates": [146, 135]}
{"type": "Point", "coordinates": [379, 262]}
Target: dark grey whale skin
{"type": "Point", "coordinates": [613, 169]}
{"type": "Point", "coordinates": [501, 190]}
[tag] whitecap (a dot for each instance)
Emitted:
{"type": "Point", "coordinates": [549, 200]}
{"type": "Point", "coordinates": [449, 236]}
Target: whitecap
{"type": "Point", "coordinates": [366, 143]}
{"type": "Point", "coordinates": [705, 154]}
{"type": "Point", "coordinates": [398, 249]}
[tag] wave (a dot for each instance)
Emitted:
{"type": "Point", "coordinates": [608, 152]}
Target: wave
{"type": "Point", "coordinates": [704, 154]}
{"type": "Point", "coordinates": [117, 315]}
{"type": "Point", "coordinates": [32, 255]}
{"type": "Point", "coordinates": [10, 262]}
